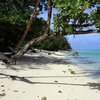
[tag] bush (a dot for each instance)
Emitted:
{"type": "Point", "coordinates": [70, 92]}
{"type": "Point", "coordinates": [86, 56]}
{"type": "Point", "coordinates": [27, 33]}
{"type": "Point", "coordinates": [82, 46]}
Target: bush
{"type": "Point", "coordinates": [54, 43]}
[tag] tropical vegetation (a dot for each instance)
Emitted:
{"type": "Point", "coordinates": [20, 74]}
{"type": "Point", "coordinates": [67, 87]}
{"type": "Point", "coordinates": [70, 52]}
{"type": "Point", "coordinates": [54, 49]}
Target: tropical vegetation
{"type": "Point", "coordinates": [21, 27]}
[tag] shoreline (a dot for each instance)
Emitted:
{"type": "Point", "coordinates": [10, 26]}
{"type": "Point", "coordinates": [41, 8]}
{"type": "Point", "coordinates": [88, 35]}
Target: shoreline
{"type": "Point", "coordinates": [89, 65]}
{"type": "Point", "coordinates": [46, 75]}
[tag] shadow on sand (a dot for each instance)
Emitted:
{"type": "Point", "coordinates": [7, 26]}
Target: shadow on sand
{"type": "Point", "coordinates": [26, 80]}
{"type": "Point", "coordinates": [95, 74]}
{"type": "Point", "coordinates": [36, 62]}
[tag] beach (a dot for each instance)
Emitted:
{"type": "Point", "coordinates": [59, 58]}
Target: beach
{"type": "Point", "coordinates": [46, 76]}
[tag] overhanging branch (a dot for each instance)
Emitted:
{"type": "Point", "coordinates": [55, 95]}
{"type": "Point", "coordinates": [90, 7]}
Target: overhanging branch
{"type": "Point", "coordinates": [83, 25]}
{"type": "Point", "coordinates": [86, 32]}
{"type": "Point", "coordinates": [76, 32]}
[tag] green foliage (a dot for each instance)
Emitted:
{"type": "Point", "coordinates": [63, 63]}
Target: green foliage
{"type": "Point", "coordinates": [7, 35]}
{"type": "Point", "coordinates": [11, 33]}
{"type": "Point", "coordinates": [93, 15]}
{"type": "Point", "coordinates": [54, 43]}
{"type": "Point", "coordinates": [69, 29]}
{"type": "Point", "coordinates": [98, 23]}
{"type": "Point", "coordinates": [14, 15]}
{"type": "Point", "coordinates": [98, 18]}
{"type": "Point", "coordinates": [38, 27]}
{"type": "Point", "coordinates": [73, 12]}
{"type": "Point", "coordinates": [71, 8]}
{"type": "Point", "coordinates": [14, 11]}
{"type": "Point", "coordinates": [83, 18]}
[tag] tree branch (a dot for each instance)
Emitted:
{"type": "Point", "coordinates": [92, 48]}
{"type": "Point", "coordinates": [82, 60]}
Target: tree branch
{"type": "Point", "coordinates": [86, 32]}
{"type": "Point", "coordinates": [77, 32]}
{"type": "Point", "coordinates": [28, 26]}
{"type": "Point", "coordinates": [38, 39]}
{"type": "Point", "coordinates": [83, 25]}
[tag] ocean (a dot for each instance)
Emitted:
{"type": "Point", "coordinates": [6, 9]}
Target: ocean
{"type": "Point", "coordinates": [87, 60]}
{"type": "Point", "coordinates": [88, 46]}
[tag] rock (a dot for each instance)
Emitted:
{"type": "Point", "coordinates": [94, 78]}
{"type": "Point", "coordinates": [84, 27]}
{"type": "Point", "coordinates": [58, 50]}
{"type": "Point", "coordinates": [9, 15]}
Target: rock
{"type": "Point", "coordinates": [55, 81]}
{"type": "Point", "coordinates": [15, 90]}
{"type": "Point", "coordinates": [59, 91]}
{"type": "Point", "coordinates": [2, 85]}
{"type": "Point", "coordinates": [64, 71]}
{"type": "Point", "coordinates": [71, 71]}
{"type": "Point", "coordinates": [3, 94]}
{"type": "Point", "coordinates": [23, 91]}
{"type": "Point", "coordinates": [49, 53]}
{"type": "Point", "coordinates": [43, 98]}
{"type": "Point", "coordinates": [3, 90]}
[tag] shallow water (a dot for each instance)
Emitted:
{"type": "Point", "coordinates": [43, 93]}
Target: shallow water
{"type": "Point", "coordinates": [88, 61]}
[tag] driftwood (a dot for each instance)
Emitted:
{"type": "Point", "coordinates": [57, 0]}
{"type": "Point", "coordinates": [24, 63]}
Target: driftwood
{"type": "Point", "coordinates": [6, 58]}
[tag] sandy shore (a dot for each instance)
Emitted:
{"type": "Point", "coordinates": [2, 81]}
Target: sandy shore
{"type": "Point", "coordinates": [46, 77]}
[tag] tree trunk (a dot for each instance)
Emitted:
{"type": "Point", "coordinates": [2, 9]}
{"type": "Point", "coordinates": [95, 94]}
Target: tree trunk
{"type": "Point", "coordinates": [28, 26]}
{"type": "Point", "coordinates": [38, 39]}
{"type": "Point", "coordinates": [6, 59]}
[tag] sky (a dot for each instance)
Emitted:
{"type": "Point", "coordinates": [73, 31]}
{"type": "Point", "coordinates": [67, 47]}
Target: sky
{"type": "Point", "coordinates": [80, 42]}
{"type": "Point", "coordinates": [45, 16]}
{"type": "Point", "coordinates": [85, 42]}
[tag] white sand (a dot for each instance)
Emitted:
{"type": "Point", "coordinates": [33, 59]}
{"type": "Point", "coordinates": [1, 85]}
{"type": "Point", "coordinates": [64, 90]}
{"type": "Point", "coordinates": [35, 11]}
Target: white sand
{"type": "Point", "coordinates": [46, 76]}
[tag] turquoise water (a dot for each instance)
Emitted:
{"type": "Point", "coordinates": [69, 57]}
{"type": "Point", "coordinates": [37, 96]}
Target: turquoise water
{"type": "Point", "coordinates": [88, 61]}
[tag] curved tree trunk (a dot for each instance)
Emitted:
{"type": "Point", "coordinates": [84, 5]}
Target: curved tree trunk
{"type": "Point", "coordinates": [28, 26]}
{"type": "Point", "coordinates": [31, 42]}
{"type": "Point", "coordinates": [38, 39]}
